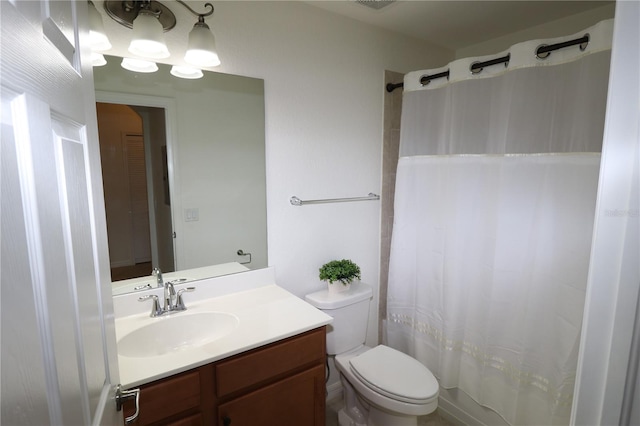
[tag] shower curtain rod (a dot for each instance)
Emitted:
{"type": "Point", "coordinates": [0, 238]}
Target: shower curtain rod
{"type": "Point", "coordinates": [542, 52]}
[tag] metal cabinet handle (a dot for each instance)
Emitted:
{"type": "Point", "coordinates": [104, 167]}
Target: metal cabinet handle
{"type": "Point", "coordinates": [123, 395]}
{"type": "Point", "coordinates": [226, 421]}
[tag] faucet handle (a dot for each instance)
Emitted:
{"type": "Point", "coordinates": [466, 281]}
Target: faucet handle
{"type": "Point", "coordinates": [155, 308]}
{"type": "Point", "coordinates": [179, 302]}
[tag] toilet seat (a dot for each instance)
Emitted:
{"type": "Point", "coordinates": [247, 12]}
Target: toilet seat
{"type": "Point", "coordinates": [395, 375]}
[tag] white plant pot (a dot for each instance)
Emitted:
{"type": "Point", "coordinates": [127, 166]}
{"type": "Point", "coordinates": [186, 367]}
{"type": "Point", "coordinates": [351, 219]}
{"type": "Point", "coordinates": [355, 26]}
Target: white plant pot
{"type": "Point", "coordinates": [338, 287]}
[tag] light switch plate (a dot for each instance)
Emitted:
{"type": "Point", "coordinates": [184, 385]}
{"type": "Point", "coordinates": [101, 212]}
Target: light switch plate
{"type": "Point", "coordinates": [191, 215]}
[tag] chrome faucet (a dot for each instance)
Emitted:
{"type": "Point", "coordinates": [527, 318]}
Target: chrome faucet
{"type": "Point", "coordinates": [158, 274]}
{"type": "Point", "coordinates": [173, 301]}
{"type": "Point", "coordinates": [169, 296]}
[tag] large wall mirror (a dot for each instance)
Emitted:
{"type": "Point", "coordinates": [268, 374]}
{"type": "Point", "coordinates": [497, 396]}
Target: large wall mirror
{"type": "Point", "coordinates": [184, 173]}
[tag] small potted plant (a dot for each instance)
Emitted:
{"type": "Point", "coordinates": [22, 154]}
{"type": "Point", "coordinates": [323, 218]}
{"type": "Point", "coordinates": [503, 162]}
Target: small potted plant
{"type": "Point", "coordinates": [345, 271]}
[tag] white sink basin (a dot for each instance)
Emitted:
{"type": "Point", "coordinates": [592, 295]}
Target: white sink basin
{"type": "Point", "coordinates": [176, 332]}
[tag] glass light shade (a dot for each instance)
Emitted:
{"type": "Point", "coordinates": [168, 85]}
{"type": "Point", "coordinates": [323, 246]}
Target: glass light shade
{"type": "Point", "coordinates": [186, 72]}
{"type": "Point", "coordinates": [139, 65]}
{"type": "Point", "coordinates": [97, 35]}
{"type": "Point", "coordinates": [97, 59]}
{"type": "Point", "coordinates": [148, 37]}
{"type": "Point", "coordinates": [201, 50]}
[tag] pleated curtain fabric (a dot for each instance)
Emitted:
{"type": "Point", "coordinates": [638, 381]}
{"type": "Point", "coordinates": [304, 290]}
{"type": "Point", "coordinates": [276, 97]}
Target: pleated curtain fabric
{"type": "Point", "coordinates": [495, 200]}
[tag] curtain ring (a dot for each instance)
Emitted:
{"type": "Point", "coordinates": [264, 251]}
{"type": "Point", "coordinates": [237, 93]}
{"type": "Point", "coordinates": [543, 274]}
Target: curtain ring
{"type": "Point", "coordinates": [543, 55]}
{"type": "Point", "coordinates": [584, 45]}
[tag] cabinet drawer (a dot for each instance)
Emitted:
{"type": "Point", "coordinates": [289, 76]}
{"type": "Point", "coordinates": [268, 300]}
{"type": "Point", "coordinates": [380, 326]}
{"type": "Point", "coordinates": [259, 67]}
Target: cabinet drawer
{"type": "Point", "coordinates": [260, 366]}
{"type": "Point", "coordinates": [193, 420]}
{"type": "Point", "coordinates": [295, 401]}
{"type": "Point", "coordinates": [168, 397]}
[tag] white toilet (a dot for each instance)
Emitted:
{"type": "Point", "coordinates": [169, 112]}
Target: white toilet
{"type": "Point", "coordinates": [382, 386]}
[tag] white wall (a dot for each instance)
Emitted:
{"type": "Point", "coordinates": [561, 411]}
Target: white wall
{"type": "Point", "coordinates": [324, 99]}
{"type": "Point", "coordinates": [558, 28]}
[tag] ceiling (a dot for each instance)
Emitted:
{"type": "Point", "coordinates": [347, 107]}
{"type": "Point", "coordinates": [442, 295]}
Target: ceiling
{"type": "Point", "coordinates": [453, 24]}
{"type": "Point", "coordinates": [456, 24]}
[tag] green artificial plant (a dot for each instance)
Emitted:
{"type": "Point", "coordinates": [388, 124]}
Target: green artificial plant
{"type": "Point", "coordinates": [343, 270]}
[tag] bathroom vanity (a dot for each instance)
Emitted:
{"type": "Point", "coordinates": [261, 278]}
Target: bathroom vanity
{"type": "Point", "coordinates": [281, 383]}
{"type": "Point", "coordinates": [266, 367]}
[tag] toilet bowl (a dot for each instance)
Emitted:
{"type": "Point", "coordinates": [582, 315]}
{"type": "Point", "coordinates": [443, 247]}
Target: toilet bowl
{"type": "Point", "coordinates": [381, 385]}
{"type": "Point", "coordinates": [394, 387]}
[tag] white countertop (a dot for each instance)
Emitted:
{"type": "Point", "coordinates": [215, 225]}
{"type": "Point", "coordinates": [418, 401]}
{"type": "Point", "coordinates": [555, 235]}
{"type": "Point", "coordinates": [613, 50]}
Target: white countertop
{"type": "Point", "coordinates": [266, 314]}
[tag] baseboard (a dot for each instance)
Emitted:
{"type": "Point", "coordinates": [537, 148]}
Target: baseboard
{"type": "Point", "coordinates": [334, 392]}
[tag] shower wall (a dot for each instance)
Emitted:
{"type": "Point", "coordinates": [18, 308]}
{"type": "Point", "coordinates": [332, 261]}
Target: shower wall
{"type": "Point", "coordinates": [391, 144]}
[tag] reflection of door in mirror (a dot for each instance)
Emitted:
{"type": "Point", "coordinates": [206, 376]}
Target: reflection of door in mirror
{"type": "Point", "coordinates": [133, 147]}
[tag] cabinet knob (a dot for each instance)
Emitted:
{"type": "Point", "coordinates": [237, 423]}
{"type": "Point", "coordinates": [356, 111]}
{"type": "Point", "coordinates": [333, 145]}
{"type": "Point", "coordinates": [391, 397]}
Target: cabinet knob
{"type": "Point", "coordinates": [226, 421]}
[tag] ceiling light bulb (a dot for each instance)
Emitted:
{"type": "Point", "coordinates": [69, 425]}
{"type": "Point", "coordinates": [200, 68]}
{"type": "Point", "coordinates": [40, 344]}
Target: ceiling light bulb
{"type": "Point", "coordinates": [139, 65]}
{"type": "Point", "coordinates": [186, 72]}
{"type": "Point", "coordinates": [201, 50]}
{"type": "Point", "coordinates": [97, 36]}
{"type": "Point", "coordinates": [97, 59]}
{"type": "Point", "coordinates": [148, 37]}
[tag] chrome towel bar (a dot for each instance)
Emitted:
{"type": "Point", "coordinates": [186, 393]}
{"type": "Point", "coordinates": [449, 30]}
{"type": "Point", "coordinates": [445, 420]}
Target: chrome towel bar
{"type": "Point", "coordinates": [298, 202]}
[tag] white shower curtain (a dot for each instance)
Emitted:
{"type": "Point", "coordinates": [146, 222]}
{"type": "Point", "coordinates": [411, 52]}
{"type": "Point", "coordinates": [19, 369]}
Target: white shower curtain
{"type": "Point", "coordinates": [495, 197]}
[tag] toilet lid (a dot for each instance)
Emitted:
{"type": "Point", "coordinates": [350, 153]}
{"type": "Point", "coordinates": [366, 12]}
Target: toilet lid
{"type": "Point", "coordinates": [394, 374]}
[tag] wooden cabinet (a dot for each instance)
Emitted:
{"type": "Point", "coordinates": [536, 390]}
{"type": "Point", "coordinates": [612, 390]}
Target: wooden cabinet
{"type": "Point", "coordinates": [278, 384]}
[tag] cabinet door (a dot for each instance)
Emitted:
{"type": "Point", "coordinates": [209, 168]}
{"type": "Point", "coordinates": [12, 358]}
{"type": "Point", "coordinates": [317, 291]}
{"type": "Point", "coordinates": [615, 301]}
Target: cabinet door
{"type": "Point", "coordinates": [181, 400]}
{"type": "Point", "coordinates": [294, 401]}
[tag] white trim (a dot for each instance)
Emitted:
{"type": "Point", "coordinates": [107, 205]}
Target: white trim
{"type": "Point", "coordinates": [614, 277]}
{"type": "Point", "coordinates": [151, 196]}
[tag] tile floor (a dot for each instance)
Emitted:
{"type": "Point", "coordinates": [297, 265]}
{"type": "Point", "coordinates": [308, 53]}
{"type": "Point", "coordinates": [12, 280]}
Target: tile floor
{"type": "Point", "coordinates": [433, 419]}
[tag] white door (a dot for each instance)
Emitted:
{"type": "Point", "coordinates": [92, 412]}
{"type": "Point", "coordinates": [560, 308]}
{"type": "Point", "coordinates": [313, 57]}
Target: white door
{"type": "Point", "coordinates": [59, 360]}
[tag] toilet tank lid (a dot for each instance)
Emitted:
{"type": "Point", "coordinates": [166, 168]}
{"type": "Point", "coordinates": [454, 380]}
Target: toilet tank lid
{"type": "Point", "coordinates": [325, 300]}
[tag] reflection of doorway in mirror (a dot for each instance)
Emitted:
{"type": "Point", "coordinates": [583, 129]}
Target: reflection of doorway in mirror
{"type": "Point", "coordinates": [132, 140]}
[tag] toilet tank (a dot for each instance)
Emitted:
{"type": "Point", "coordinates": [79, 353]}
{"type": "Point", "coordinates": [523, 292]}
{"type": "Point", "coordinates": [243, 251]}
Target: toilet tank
{"type": "Point", "coordinates": [350, 313]}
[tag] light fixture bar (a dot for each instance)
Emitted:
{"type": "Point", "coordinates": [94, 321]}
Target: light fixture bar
{"type": "Point", "coordinates": [125, 12]}
{"type": "Point", "coordinates": [148, 41]}
{"type": "Point", "coordinates": [200, 15]}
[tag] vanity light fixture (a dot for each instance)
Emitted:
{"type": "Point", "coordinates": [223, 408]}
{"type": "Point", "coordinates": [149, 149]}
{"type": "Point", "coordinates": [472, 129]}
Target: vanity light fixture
{"type": "Point", "coordinates": [98, 59]}
{"type": "Point", "coordinates": [186, 72]}
{"type": "Point", "coordinates": [139, 65]}
{"type": "Point", "coordinates": [148, 38]}
{"type": "Point", "coordinates": [201, 50]}
{"type": "Point", "coordinates": [149, 18]}
{"type": "Point", "coordinates": [98, 37]}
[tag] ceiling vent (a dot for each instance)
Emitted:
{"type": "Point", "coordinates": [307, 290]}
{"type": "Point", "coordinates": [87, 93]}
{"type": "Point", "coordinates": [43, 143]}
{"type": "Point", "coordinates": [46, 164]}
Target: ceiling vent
{"type": "Point", "coordinates": [375, 4]}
